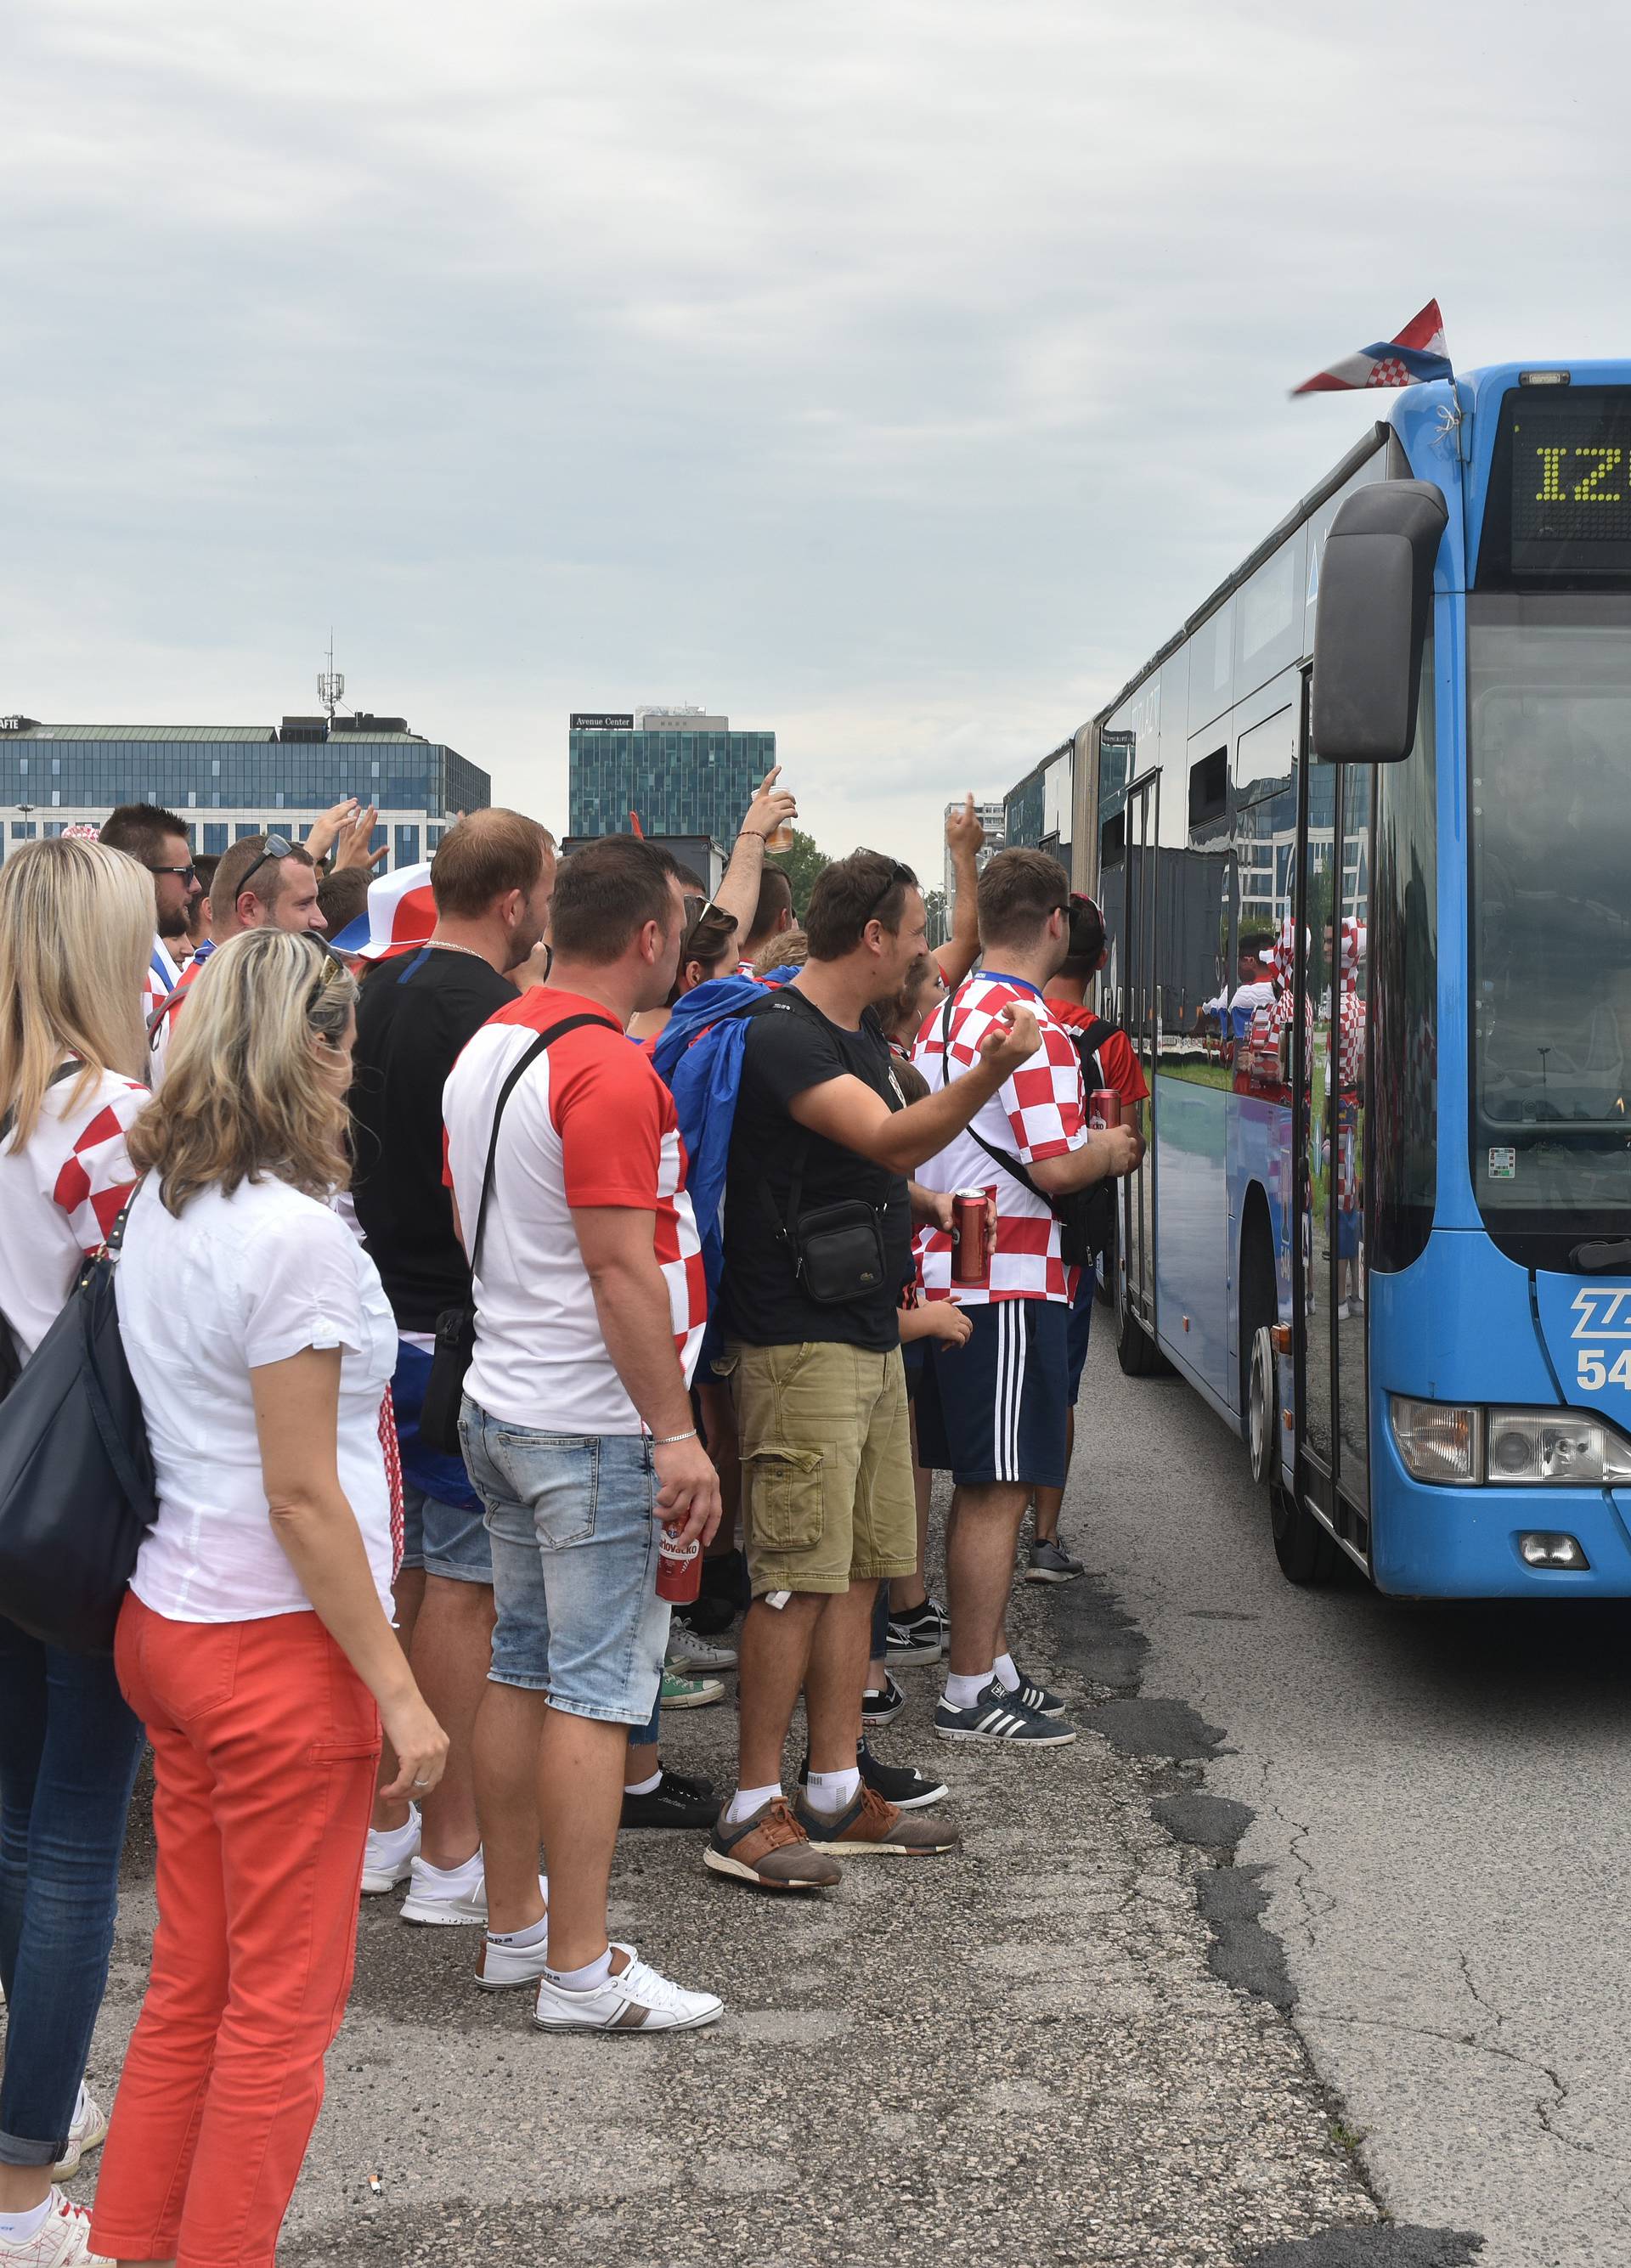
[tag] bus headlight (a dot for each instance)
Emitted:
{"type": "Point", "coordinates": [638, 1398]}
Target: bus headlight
{"type": "Point", "coordinates": [1457, 1445]}
{"type": "Point", "coordinates": [1555, 1448]}
{"type": "Point", "coordinates": [1439, 1441]}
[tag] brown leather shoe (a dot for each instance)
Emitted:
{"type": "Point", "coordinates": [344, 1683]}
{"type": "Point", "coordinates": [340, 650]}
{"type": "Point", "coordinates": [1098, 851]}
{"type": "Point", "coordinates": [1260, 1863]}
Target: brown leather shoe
{"type": "Point", "coordinates": [870, 1823]}
{"type": "Point", "coordinates": [769, 1848]}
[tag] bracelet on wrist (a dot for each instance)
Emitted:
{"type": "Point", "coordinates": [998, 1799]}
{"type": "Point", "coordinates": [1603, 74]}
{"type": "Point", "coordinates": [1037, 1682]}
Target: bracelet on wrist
{"type": "Point", "coordinates": [758, 834]}
{"type": "Point", "coordinates": [669, 1441]}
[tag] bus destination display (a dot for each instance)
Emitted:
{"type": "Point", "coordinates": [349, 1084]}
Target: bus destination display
{"type": "Point", "coordinates": [1569, 481]}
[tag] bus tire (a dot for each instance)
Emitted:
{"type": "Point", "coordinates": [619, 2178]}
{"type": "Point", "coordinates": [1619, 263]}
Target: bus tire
{"type": "Point", "coordinates": [1136, 1349]}
{"type": "Point", "coordinates": [1306, 1553]}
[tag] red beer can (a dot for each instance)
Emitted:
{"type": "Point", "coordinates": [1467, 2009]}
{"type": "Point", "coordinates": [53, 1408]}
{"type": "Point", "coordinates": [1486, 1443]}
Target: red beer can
{"type": "Point", "coordinates": [971, 1262]}
{"type": "Point", "coordinates": [1105, 1106]}
{"type": "Point", "coordinates": [679, 1569]}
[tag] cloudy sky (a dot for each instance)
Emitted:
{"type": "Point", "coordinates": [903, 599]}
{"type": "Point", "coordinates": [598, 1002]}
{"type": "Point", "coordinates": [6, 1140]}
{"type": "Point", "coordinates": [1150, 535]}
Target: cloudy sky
{"type": "Point", "coordinates": [893, 374]}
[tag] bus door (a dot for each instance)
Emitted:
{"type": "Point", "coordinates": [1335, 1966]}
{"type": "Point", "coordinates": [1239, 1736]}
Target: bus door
{"type": "Point", "coordinates": [1331, 1292]}
{"type": "Point", "coordinates": [1138, 1012]}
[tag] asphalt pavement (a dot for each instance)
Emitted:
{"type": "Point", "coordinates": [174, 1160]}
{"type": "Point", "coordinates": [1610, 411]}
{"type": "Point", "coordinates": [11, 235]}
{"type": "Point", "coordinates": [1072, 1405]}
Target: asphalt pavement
{"type": "Point", "coordinates": [1026, 2054]}
{"type": "Point", "coordinates": [1309, 1954]}
{"type": "Point", "coordinates": [1438, 1804]}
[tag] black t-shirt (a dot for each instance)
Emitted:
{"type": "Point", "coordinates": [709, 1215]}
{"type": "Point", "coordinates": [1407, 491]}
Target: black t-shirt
{"type": "Point", "coordinates": [791, 1047]}
{"type": "Point", "coordinates": [413, 1019]}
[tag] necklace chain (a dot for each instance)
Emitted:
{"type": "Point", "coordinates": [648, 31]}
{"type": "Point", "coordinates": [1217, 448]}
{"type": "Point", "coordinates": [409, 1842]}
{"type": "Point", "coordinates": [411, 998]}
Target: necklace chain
{"type": "Point", "coordinates": [448, 945]}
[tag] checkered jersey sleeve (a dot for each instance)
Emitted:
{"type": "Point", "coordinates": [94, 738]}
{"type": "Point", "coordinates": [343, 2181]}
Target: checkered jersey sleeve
{"type": "Point", "coordinates": [96, 1176]}
{"type": "Point", "coordinates": [1044, 1102]}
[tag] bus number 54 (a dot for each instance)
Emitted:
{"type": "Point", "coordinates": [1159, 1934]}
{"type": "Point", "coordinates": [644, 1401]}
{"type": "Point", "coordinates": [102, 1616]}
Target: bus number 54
{"type": "Point", "coordinates": [1594, 1371]}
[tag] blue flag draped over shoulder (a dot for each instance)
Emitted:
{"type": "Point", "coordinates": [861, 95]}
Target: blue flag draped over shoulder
{"type": "Point", "coordinates": [699, 1056]}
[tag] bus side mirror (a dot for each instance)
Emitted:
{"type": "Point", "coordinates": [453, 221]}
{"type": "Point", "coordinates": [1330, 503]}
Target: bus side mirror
{"type": "Point", "coordinates": [1375, 585]}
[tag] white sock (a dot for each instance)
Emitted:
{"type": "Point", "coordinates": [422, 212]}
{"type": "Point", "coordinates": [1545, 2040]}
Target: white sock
{"type": "Point", "coordinates": [1007, 1676]}
{"type": "Point", "coordinates": [534, 1933]}
{"type": "Point", "coordinates": [453, 1878]}
{"type": "Point", "coordinates": [644, 1786]}
{"type": "Point", "coordinates": [964, 1692]}
{"type": "Point", "coordinates": [19, 2228]}
{"type": "Point", "coordinates": [747, 1800]}
{"type": "Point", "coordinates": [586, 1979]}
{"type": "Point", "coordinates": [832, 1791]}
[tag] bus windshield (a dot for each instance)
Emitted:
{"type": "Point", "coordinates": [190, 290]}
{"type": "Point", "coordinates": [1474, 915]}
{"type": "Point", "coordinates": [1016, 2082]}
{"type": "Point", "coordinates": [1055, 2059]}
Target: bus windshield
{"type": "Point", "coordinates": [1549, 733]}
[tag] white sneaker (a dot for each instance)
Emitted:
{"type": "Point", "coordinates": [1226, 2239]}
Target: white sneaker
{"type": "Point", "coordinates": [388, 1859]}
{"type": "Point", "coordinates": [636, 1999]}
{"type": "Point", "coordinates": [88, 2132]}
{"type": "Point", "coordinates": [430, 1900]}
{"type": "Point", "coordinates": [498, 1968]}
{"type": "Point", "coordinates": [696, 1657]}
{"type": "Point", "coordinates": [63, 2242]}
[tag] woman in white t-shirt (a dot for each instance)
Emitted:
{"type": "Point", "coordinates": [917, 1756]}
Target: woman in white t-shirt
{"type": "Point", "coordinates": [76, 929]}
{"type": "Point", "coordinates": [255, 1643]}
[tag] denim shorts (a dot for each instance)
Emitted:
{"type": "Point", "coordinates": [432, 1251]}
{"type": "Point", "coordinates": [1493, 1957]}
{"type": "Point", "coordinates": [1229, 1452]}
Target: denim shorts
{"type": "Point", "coordinates": [444, 1539]}
{"type": "Point", "coordinates": [574, 1564]}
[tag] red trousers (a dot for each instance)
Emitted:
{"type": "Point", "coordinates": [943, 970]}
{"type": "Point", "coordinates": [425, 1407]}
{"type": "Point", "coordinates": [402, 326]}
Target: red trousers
{"type": "Point", "coordinates": [265, 1747]}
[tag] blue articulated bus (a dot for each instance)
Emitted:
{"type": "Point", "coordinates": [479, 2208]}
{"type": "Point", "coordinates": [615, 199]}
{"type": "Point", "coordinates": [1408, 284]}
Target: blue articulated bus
{"type": "Point", "coordinates": [1362, 834]}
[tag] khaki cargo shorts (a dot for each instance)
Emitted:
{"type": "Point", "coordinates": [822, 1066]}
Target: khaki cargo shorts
{"type": "Point", "coordinates": [827, 1495]}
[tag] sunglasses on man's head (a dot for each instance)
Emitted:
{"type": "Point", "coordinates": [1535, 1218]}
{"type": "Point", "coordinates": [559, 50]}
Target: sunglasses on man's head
{"type": "Point", "coordinates": [899, 876]}
{"type": "Point", "coordinates": [277, 846]}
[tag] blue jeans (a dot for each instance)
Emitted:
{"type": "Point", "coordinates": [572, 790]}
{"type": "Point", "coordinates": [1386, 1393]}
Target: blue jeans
{"type": "Point", "coordinates": [69, 1750]}
{"type": "Point", "coordinates": [574, 1564]}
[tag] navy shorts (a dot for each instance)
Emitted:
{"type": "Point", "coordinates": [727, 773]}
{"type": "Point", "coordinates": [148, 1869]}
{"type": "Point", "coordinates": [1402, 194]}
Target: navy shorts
{"type": "Point", "coordinates": [1079, 1330]}
{"type": "Point", "coordinates": [998, 1409]}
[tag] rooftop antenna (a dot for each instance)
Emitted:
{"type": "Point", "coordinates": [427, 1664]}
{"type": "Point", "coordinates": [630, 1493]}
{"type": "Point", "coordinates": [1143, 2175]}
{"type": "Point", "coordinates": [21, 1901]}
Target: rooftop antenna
{"type": "Point", "coordinates": [331, 681]}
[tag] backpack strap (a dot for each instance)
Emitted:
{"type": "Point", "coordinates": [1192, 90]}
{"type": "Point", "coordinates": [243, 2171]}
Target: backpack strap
{"type": "Point", "coordinates": [1090, 1038]}
{"type": "Point", "coordinates": [530, 1056]}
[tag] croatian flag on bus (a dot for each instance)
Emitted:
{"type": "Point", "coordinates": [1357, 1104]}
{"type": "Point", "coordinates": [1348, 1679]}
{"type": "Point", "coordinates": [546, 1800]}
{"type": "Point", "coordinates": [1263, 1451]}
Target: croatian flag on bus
{"type": "Point", "coordinates": [1418, 354]}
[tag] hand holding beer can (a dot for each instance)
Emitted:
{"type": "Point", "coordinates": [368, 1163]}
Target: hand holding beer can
{"type": "Point", "coordinates": [1105, 1106]}
{"type": "Point", "coordinates": [679, 1569]}
{"type": "Point", "coordinates": [971, 1262]}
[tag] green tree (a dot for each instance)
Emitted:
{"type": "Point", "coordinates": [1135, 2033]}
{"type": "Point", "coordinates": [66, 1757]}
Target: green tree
{"type": "Point", "coordinates": [801, 865]}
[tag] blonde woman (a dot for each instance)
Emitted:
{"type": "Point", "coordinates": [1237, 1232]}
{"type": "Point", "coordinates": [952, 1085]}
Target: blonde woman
{"type": "Point", "coordinates": [76, 930]}
{"type": "Point", "coordinates": [255, 1643]}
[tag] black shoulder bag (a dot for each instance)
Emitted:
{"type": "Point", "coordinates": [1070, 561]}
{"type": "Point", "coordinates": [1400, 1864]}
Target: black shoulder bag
{"type": "Point", "coordinates": [455, 1327]}
{"type": "Point", "coordinates": [837, 1250]}
{"type": "Point", "coordinates": [77, 1493]}
{"type": "Point", "coordinates": [1086, 1217]}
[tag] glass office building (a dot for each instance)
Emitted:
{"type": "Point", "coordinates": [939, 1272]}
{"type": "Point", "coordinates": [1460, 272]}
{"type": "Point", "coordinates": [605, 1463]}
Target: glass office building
{"type": "Point", "coordinates": [228, 781]}
{"type": "Point", "coordinates": [682, 771]}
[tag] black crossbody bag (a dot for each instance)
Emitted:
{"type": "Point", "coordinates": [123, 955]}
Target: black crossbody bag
{"type": "Point", "coordinates": [837, 1250]}
{"type": "Point", "coordinates": [455, 1327]}
{"type": "Point", "coordinates": [1087, 1217]}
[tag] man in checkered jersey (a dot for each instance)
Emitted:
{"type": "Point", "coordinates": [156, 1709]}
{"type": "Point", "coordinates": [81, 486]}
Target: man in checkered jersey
{"type": "Point", "coordinates": [995, 1412]}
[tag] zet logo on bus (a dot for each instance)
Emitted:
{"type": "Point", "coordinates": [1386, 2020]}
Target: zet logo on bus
{"type": "Point", "coordinates": [1604, 1316]}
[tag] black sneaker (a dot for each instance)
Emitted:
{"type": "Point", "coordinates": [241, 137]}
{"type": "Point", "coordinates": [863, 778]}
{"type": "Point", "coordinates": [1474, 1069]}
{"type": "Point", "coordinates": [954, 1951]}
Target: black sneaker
{"type": "Point", "coordinates": [995, 1717]}
{"type": "Point", "coordinates": [901, 1785]}
{"type": "Point", "coordinates": [916, 1634]}
{"type": "Point", "coordinates": [879, 1708]}
{"type": "Point", "coordinates": [676, 1801]}
{"type": "Point", "coordinates": [1037, 1698]}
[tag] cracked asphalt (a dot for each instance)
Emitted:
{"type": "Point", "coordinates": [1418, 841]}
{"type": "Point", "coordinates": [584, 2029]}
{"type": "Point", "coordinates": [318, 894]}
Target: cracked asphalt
{"type": "Point", "coordinates": [1038, 2054]}
{"type": "Point", "coordinates": [1310, 1954]}
{"type": "Point", "coordinates": [1438, 1799]}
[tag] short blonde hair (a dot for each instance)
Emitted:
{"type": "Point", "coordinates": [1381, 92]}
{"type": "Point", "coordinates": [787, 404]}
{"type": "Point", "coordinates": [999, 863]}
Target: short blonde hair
{"type": "Point", "coordinates": [244, 1095]}
{"type": "Point", "coordinates": [75, 937]}
{"type": "Point", "coordinates": [790, 950]}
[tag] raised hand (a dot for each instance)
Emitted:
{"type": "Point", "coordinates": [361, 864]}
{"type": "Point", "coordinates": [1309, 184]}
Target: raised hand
{"type": "Point", "coordinates": [964, 835]}
{"type": "Point", "coordinates": [771, 807]}
{"type": "Point", "coordinates": [351, 842]}
{"type": "Point", "coordinates": [1011, 1040]}
{"type": "Point", "coordinates": [320, 840]}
